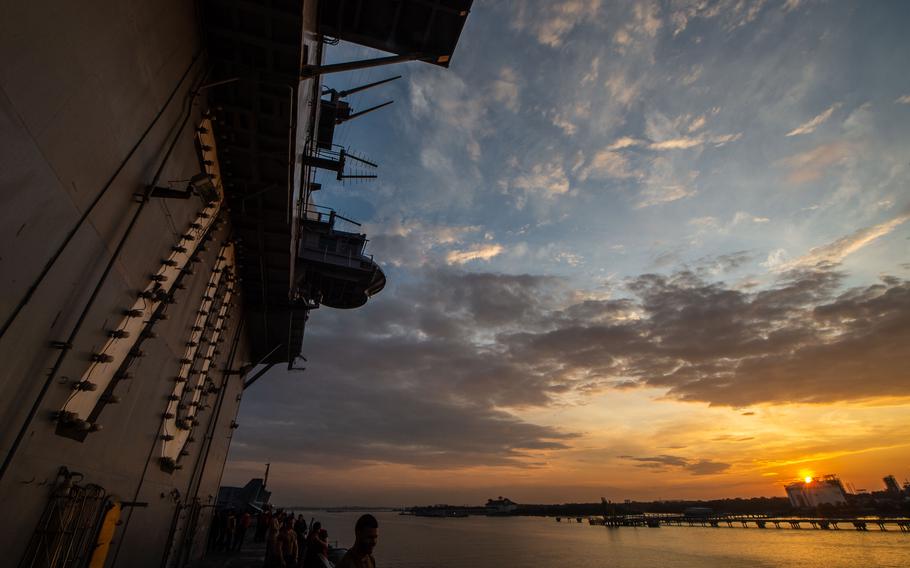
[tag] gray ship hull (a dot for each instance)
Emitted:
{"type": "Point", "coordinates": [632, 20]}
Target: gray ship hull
{"type": "Point", "coordinates": [80, 86]}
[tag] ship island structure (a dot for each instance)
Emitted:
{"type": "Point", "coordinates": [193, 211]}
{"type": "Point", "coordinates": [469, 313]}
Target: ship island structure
{"type": "Point", "coordinates": [162, 248]}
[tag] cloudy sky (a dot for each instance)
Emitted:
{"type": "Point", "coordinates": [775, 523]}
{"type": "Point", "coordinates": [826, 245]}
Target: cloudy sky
{"type": "Point", "coordinates": [634, 250]}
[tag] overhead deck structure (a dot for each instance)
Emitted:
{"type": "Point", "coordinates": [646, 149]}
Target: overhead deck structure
{"type": "Point", "coordinates": [259, 47]}
{"type": "Point", "coordinates": [266, 59]}
{"type": "Point", "coordinates": [403, 27]}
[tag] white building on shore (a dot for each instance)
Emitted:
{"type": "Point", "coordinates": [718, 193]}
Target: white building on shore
{"type": "Point", "coordinates": [500, 506]}
{"type": "Point", "coordinates": [815, 491]}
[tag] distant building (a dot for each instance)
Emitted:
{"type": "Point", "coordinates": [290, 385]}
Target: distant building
{"type": "Point", "coordinates": [827, 490]}
{"type": "Point", "coordinates": [891, 485]}
{"type": "Point", "coordinates": [500, 506]}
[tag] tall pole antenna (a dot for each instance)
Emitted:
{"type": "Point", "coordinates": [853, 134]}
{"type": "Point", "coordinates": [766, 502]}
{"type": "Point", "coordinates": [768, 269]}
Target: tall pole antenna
{"type": "Point", "coordinates": [342, 94]}
{"type": "Point", "coordinates": [342, 120]}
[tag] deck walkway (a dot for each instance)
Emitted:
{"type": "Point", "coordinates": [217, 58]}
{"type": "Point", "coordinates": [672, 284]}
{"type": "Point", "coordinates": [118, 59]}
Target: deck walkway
{"type": "Point", "coordinates": [251, 556]}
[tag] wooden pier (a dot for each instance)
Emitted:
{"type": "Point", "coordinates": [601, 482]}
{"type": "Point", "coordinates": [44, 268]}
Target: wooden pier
{"type": "Point", "coordinates": [899, 524]}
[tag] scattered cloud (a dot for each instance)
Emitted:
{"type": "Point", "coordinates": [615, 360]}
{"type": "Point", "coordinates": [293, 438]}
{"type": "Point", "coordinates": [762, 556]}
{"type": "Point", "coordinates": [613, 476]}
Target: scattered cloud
{"type": "Point", "coordinates": [813, 164]}
{"type": "Point", "coordinates": [564, 124]}
{"type": "Point", "coordinates": [903, 100]}
{"type": "Point", "coordinates": [414, 243]}
{"type": "Point", "coordinates": [646, 18]}
{"type": "Point", "coordinates": [606, 164]}
{"type": "Point", "coordinates": [810, 126]}
{"type": "Point", "coordinates": [743, 217]}
{"type": "Point", "coordinates": [625, 142]}
{"type": "Point", "coordinates": [731, 14]}
{"type": "Point", "coordinates": [837, 251]}
{"type": "Point", "coordinates": [693, 75]}
{"type": "Point", "coordinates": [643, 25]}
{"type": "Point", "coordinates": [697, 123]}
{"type": "Point", "coordinates": [666, 180]}
{"type": "Point", "coordinates": [551, 22]}
{"type": "Point", "coordinates": [593, 71]}
{"type": "Point", "coordinates": [663, 193]}
{"type": "Point", "coordinates": [664, 133]}
{"type": "Point", "coordinates": [452, 124]}
{"type": "Point", "coordinates": [623, 89]}
{"type": "Point", "coordinates": [446, 97]}
{"type": "Point", "coordinates": [717, 265]}
{"type": "Point", "coordinates": [478, 252]}
{"type": "Point", "coordinates": [707, 223]}
{"type": "Point", "coordinates": [710, 225]}
{"type": "Point", "coordinates": [570, 258]}
{"type": "Point", "coordinates": [622, 37]}
{"type": "Point", "coordinates": [545, 179]}
{"type": "Point", "coordinates": [675, 144]}
{"type": "Point", "coordinates": [775, 259]}
{"type": "Point", "coordinates": [719, 141]}
{"type": "Point", "coordinates": [506, 89]}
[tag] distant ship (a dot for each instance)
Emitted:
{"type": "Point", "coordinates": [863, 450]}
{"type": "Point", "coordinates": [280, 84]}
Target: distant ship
{"type": "Point", "coordinates": [440, 511]}
{"type": "Point", "coordinates": [252, 497]}
{"type": "Point", "coordinates": [161, 248]}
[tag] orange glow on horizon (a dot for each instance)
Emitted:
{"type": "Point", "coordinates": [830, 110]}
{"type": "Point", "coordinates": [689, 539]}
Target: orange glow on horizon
{"type": "Point", "coordinates": [656, 456]}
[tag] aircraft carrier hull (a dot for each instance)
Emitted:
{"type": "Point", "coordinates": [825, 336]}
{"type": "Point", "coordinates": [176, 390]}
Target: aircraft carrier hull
{"type": "Point", "coordinates": [92, 95]}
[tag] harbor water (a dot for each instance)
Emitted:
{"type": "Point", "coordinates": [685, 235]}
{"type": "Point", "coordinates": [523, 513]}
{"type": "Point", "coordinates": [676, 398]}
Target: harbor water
{"type": "Point", "coordinates": [534, 542]}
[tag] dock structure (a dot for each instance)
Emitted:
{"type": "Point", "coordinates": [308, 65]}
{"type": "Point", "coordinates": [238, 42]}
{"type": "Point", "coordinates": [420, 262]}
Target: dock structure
{"type": "Point", "coordinates": [900, 524]}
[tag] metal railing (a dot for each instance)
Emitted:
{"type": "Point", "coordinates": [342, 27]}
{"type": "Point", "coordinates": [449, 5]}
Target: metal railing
{"type": "Point", "coordinates": [65, 535]}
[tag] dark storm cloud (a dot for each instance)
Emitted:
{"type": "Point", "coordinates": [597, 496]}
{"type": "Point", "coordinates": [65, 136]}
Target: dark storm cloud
{"type": "Point", "coordinates": [707, 467]}
{"type": "Point", "coordinates": [409, 380]}
{"type": "Point", "coordinates": [425, 374]}
{"type": "Point", "coordinates": [799, 341]}
{"type": "Point", "coordinates": [659, 461]}
{"type": "Point", "coordinates": [703, 341]}
{"type": "Point", "coordinates": [341, 421]}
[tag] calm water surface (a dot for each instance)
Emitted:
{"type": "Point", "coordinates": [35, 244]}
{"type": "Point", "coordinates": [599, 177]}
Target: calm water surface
{"type": "Point", "coordinates": [484, 542]}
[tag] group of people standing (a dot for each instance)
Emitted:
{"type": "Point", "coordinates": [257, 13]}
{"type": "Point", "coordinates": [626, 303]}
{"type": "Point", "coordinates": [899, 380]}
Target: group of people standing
{"type": "Point", "coordinates": [291, 542]}
{"type": "Point", "coordinates": [229, 530]}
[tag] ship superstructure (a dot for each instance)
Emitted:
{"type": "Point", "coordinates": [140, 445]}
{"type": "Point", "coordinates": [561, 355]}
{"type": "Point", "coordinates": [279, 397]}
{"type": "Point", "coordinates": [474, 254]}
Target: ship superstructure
{"type": "Point", "coordinates": [161, 248]}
